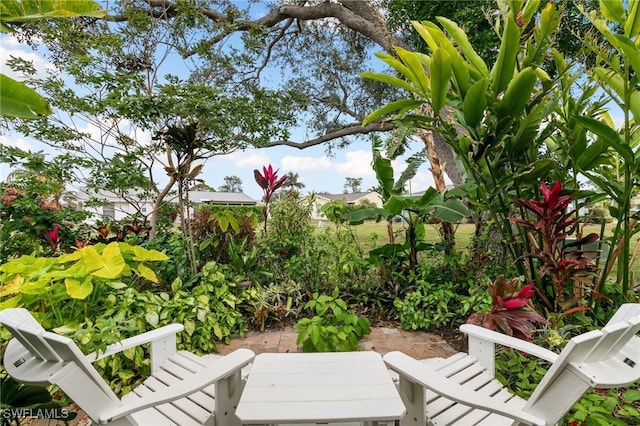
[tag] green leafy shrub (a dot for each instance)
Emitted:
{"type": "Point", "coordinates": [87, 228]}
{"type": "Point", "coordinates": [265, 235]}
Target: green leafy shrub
{"type": "Point", "coordinates": [289, 228]}
{"type": "Point", "coordinates": [174, 245]}
{"type": "Point", "coordinates": [443, 295]}
{"type": "Point", "coordinates": [275, 302]}
{"type": "Point", "coordinates": [31, 224]}
{"type": "Point", "coordinates": [215, 227]}
{"type": "Point", "coordinates": [333, 328]}
{"type": "Point", "coordinates": [208, 311]}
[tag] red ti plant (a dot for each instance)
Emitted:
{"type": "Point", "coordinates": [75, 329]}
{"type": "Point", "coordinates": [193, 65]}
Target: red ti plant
{"type": "Point", "coordinates": [52, 237]}
{"type": "Point", "coordinates": [269, 182]}
{"type": "Point", "coordinates": [508, 313]}
{"type": "Point", "coordinates": [567, 266]}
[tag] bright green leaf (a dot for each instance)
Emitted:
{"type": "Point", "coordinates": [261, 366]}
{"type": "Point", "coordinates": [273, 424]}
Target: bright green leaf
{"type": "Point", "coordinates": [613, 10]}
{"type": "Point", "coordinates": [631, 395]}
{"type": "Point", "coordinates": [189, 326]}
{"type": "Point", "coordinates": [631, 52]}
{"type": "Point", "coordinates": [632, 25]}
{"type": "Point", "coordinates": [401, 106]}
{"type": "Point", "coordinates": [425, 34]}
{"type": "Point", "coordinates": [518, 93]}
{"type": "Point", "coordinates": [475, 103]}
{"type": "Point", "coordinates": [460, 37]}
{"type": "Point", "coordinates": [417, 73]}
{"type": "Point", "coordinates": [28, 10]}
{"type": "Point", "coordinates": [504, 67]}
{"type": "Point", "coordinates": [440, 79]}
{"type": "Point", "coordinates": [18, 100]}
{"type": "Point", "coordinates": [609, 135]}
{"type": "Point", "coordinates": [451, 211]}
{"type": "Point", "coordinates": [391, 80]}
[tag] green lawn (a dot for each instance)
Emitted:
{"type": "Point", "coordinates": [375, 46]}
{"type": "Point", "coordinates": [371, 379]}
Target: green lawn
{"type": "Point", "coordinates": [464, 233]}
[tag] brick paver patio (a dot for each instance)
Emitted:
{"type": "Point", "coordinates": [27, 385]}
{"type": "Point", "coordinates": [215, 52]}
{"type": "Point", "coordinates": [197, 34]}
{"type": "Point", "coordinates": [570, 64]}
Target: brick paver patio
{"type": "Point", "coordinates": [414, 343]}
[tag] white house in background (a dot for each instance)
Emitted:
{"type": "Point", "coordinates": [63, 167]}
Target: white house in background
{"type": "Point", "coordinates": [107, 204]}
{"type": "Point", "coordinates": [357, 198]}
{"type": "Point", "coordinates": [221, 198]}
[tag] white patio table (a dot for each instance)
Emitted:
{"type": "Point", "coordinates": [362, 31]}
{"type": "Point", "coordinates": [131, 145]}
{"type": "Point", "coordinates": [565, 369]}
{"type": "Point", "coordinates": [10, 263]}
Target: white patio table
{"type": "Point", "coordinates": [319, 388]}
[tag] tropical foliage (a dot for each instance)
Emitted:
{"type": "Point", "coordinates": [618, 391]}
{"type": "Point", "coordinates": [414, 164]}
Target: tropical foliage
{"type": "Point", "coordinates": [526, 125]}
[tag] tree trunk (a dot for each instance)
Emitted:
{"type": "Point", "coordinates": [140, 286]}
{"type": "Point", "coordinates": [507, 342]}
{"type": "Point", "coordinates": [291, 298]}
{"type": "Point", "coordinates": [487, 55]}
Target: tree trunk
{"type": "Point", "coordinates": [157, 205]}
{"type": "Point", "coordinates": [446, 228]}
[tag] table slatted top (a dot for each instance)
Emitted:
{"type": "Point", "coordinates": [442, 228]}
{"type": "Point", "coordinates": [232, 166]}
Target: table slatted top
{"type": "Point", "coordinates": [319, 388]}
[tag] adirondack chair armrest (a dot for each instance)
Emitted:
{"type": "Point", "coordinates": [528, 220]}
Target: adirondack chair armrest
{"type": "Point", "coordinates": [482, 343]}
{"type": "Point", "coordinates": [422, 374]}
{"type": "Point", "coordinates": [220, 369]}
{"type": "Point", "coordinates": [168, 331]}
{"type": "Point", "coordinates": [484, 334]}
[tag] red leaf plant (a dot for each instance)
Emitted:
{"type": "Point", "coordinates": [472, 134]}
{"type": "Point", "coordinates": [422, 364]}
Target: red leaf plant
{"type": "Point", "coordinates": [269, 182]}
{"type": "Point", "coordinates": [508, 313]}
{"type": "Point", "coordinates": [569, 268]}
{"type": "Point", "coordinates": [52, 237]}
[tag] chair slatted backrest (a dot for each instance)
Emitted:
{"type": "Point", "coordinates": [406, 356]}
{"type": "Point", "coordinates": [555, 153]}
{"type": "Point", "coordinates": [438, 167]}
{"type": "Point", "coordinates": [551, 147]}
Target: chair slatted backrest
{"type": "Point", "coordinates": [68, 351]}
{"type": "Point", "coordinates": [595, 358]}
{"type": "Point", "coordinates": [615, 337]}
{"type": "Point", "coordinates": [28, 332]}
{"type": "Point", "coordinates": [68, 360]}
{"type": "Point", "coordinates": [625, 312]}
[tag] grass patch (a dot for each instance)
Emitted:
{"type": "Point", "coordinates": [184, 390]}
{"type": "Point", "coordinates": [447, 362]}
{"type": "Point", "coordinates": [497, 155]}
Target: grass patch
{"type": "Point", "coordinates": [464, 234]}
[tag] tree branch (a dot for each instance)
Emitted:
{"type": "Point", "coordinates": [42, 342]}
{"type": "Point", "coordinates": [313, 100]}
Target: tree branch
{"type": "Point", "coordinates": [347, 130]}
{"type": "Point", "coordinates": [354, 14]}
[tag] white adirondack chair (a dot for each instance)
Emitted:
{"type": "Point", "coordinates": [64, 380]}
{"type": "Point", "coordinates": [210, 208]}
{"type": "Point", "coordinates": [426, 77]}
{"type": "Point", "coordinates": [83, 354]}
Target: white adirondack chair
{"type": "Point", "coordinates": [462, 389]}
{"type": "Point", "coordinates": [180, 390]}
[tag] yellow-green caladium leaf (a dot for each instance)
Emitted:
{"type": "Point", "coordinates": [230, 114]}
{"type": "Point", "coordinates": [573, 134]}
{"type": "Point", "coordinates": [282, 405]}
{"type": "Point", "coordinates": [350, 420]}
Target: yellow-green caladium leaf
{"type": "Point", "coordinates": [152, 318]}
{"type": "Point", "coordinates": [91, 258]}
{"type": "Point", "coordinates": [19, 101]}
{"type": "Point", "coordinates": [78, 290]}
{"type": "Point", "coordinates": [142, 254]}
{"type": "Point", "coordinates": [13, 286]}
{"type": "Point", "coordinates": [113, 262]}
{"type": "Point", "coordinates": [12, 302]}
{"type": "Point", "coordinates": [147, 273]}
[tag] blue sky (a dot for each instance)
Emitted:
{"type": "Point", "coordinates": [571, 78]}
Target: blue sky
{"type": "Point", "coordinates": [317, 171]}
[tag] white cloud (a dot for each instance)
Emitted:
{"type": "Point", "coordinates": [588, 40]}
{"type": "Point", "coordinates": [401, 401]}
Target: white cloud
{"type": "Point", "coordinates": [23, 144]}
{"type": "Point", "coordinates": [300, 163]}
{"type": "Point", "coordinates": [249, 158]}
{"type": "Point", "coordinates": [9, 47]}
{"type": "Point", "coordinates": [16, 142]}
{"type": "Point", "coordinates": [356, 164]}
